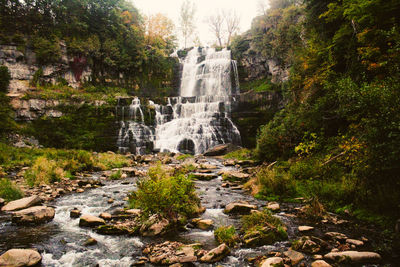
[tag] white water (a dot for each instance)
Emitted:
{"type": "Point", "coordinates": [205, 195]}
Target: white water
{"type": "Point", "coordinates": [196, 120]}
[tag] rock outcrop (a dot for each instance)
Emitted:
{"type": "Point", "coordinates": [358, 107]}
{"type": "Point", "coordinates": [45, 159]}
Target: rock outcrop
{"type": "Point", "coordinates": [90, 221]}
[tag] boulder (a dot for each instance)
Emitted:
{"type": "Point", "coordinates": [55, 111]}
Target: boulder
{"type": "Point", "coordinates": [154, 226]}
{"type": "Point", "coordinates": [171, 253]}
{"type": "Point", "coordinates": [234, 176]}
{"type": "Point", "coordinates": [353, 257]}
{"type": "Point", "coordinates": [105, 216]}
{"type": "Point", "coordinates": [136, 212]}
{"type": "Point", "coordinates": [220, 150]}
{"type": "Point", "coordinates": [109, 229]}
{"type": "Point", "coordinates": [2, 201]}
{"type": "Point", "coordinates": [335, 236]}
{"type": "Point", "coordinates": [216, 254]}
{"type": "Point", "coordinates": [20, 257]}
{"type": "Point", "coordinates": [75, 213]}
{"type": "Point", "coordinates": [274, 206]}
{"type": "Point", "coordinates": [260, 236]}
{"type": "Point", "coordinates": [294, 256]}
{"type": "Point", "coordinates": [90, 221]}
{"type": "Point", "coordinates": [203, 224]}
{"type": "Point", "coordinates": [204, 176]}
{"type": "Point", "coordinates": [271, 262]}
{"type": "Point", "coordinates": [33, 215]}
{"type": "Point", "coordinates": [22, 203]}
{"type": "Point", "coordinates": [239, 208]}
{"type": "Point", "coordinates": [320, 263]}
{"type": "Point", "coordinates": [355, 242]}
{"type": "Point", "coordinates": [90, 242]}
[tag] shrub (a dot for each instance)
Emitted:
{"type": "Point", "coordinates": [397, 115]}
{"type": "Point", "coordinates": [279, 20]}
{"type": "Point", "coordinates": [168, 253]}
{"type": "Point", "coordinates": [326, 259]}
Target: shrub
{"type": "Point", "coordinates": [227, 235]}
{"type": "Point", "coordinates": [47, 51]}
{"type": "Point", "coordinates": [116, 175]}
{"type": "Point", "coordinates": [9, 191]}
{"type": "Point", "coordinates": [44, 171]}
{"type": "Point", "coordinates": [262, 228]}
{"type": "Point", "coordinates": [275, 181]}
{"type": "Point", "coordinates": [5, 78]}
{"type": "Point", "coordinates": [184, 156]}
{"type": "Point", "coordinates": [161, 193]}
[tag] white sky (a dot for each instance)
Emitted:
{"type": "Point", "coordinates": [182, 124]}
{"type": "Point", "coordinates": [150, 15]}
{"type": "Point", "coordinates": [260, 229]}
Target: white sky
{"type": "Point", "coordinates": [247, 9]}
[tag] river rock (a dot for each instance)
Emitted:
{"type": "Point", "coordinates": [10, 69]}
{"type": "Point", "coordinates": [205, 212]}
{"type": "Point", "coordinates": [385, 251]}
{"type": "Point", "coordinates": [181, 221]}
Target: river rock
{"type": "Point", "coordinates": [154, 226]}
{"type": "Point", "coordinates": [105, 216]}
{"type": "Point", "coordinates": [135, 212]}
{"type": "Point", "coordinates": [204, 176]}
{"type": "Point", "coordinates": [234, 176]}
{"type": "Point", "coordinates": [90, 242]}
{"type": "Point", "coordinates": [171, 252]}
{"type": "Point", "coordinates": [33, 215]}
{"type": "Point", "coordinates": [355, 242]}
{"type": "Point", "coordinates": [22, 203]}
{"type": "Point", "coordinates": [220, 150]}
{"type": "Point", "coordinates": [294, 256]}
{"type": "Point", "coordinates": [274, 206]}
{"type": "Point", "coordinates": [304, 228]}
{"type": "Point", "coordinates": [239, 207]}
{"type": "Point", "coordinates": [75, 213]}
{"type": "Point", "coordinates": [203, 224]}
{"type": "Point", "coordinates": [2, 201]}
{"type": "Point", "coordinates": [273, 261]}
{"type": "Point", "coordinates": [20, 257]}
{"type": "Point", "coordinates": [353, 257]}
{"type": "Point", "coordinates": [109, 229]}
{"type": "Point", "coordinates": [90, 221]}
{"type": "Point", "coordinates": [229, 162]}
{"type": "Point", "coordinates": [335, 236]}
{"type": "Point", "coordinates": [310, 244]}
{"type": "Point", "coordinates": [216, 254]}
{"type": "Point", "coordinates": [320, 263]}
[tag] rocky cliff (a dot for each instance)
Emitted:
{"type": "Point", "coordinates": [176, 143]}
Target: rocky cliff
{"type": "Point", "coordinates": [23, 66]}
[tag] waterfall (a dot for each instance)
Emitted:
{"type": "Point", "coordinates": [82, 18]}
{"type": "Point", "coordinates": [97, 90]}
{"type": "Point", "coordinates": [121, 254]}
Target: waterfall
{"type": "Point", "coordinates": [196, 120]}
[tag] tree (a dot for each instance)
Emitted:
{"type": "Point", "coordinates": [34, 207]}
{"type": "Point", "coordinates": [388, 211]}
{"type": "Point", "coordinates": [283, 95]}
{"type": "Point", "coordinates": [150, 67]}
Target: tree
{"type": "Point", "coordinates": [262, 7]}
{"type": "Point", "coordinates": [216, 23]}
{"type": "Point", "coordinates": [159, 28]}
{"type": "Point", "coordinates": [187, 14]}
{"type": "Point", "coordinates": [232, 21]}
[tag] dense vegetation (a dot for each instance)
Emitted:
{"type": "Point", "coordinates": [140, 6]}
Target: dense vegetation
{"type": "Point", "coordinates": [338, 136]}
{"type": "Point", "coordinates": [109, 36]}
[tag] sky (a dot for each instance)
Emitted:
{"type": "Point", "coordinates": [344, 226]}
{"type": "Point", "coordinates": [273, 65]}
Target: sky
{"type": "Point", "coordinates": [247, 10]}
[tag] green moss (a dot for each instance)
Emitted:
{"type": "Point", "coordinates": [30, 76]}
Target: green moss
{"type": "Point", "coordinates": [116, 175]}
{"type": "Point", "coordinates": [184, 156]}
{"type": "Point", "coordinates": [241, 154]}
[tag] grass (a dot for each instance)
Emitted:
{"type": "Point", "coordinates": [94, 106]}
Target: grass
{"type": "Point", "coordinates": [48, 165]}
{"type": "Point", "coordinates": [227, 235]}
{"type": "Point", "coordinates": [261, 85]}
{"type": "Point", "coordinates": [240, 154]}
{"type": "Point", "coordinates": [184, 156]}
{"type": "Point", "coordinates": [64, 92]}
{"type": "Point", "coordinates": [9, 191]}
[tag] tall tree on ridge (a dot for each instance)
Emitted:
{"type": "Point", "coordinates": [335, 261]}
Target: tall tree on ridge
{"type": "Point", "coordinates": [187, 14]}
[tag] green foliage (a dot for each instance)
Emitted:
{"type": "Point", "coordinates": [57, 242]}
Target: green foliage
{"type": "Point", "coordinates": [227, 235]}
{"type": "Point", "coordinates": [240, 154]}
{"type": "Point", "coordinates": [9, 191]}
{"type": "Point", "coordinates": [43, 171]}
{"type": "Point", "coordinates": [161, 193]}
{"type": "Point", "coordinates": [263, 227]}
{"type": "Point", "coordinates": [276, 182]}
{"type": "Point", "coordinates": [47, 50]}
{"type": "Point", "coordinates": [49, 164]}
{"type": "Point", "coordinates": [116, 175]}
{"type": "Point", "coordinates": [5, 78]}
{"type": "Point", "coordinates": [184, 156]}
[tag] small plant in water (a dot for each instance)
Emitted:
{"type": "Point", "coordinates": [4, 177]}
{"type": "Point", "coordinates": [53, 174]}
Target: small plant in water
{"type": "Point", "coordinates": [116, 175]}
{"type": "Point", "coordinates": [227, 235]}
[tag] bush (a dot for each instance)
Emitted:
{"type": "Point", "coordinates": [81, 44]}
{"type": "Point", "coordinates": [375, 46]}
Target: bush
{"type": "Point", "coordinates": [275, 181]}
{"type": "Point", "coordinates": [263, 226]}
{"type": "Point", "coordinates": [161, 193]}
{"type": "Point", "coordinates": [227, 235]}
{"type": "Point", "coordinates": [47, 51]}
{"type": "Point", "coordinates": [116, 175]}
{"type": "Point", "coordinates": [5, 78]}
{"type": "Point", "coordinates": [44, 171]}
{"type": "Point", "coordinates": [9, 191]}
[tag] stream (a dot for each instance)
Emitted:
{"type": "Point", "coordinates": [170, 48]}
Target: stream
{"type": "Point", "coordinates": [61, 242]}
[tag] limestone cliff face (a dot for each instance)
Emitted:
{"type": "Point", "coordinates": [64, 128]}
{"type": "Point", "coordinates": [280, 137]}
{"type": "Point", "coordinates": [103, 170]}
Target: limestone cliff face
{"type": "Point", "coordinates": [23, 66]}
{"type": "Point", "coordinates": [255, 66]}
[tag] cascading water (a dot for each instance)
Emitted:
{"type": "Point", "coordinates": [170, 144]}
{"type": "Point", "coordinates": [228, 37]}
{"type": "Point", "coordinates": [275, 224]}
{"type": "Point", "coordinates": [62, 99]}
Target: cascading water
{"type": "Point", "coordinates": [196, 120]}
